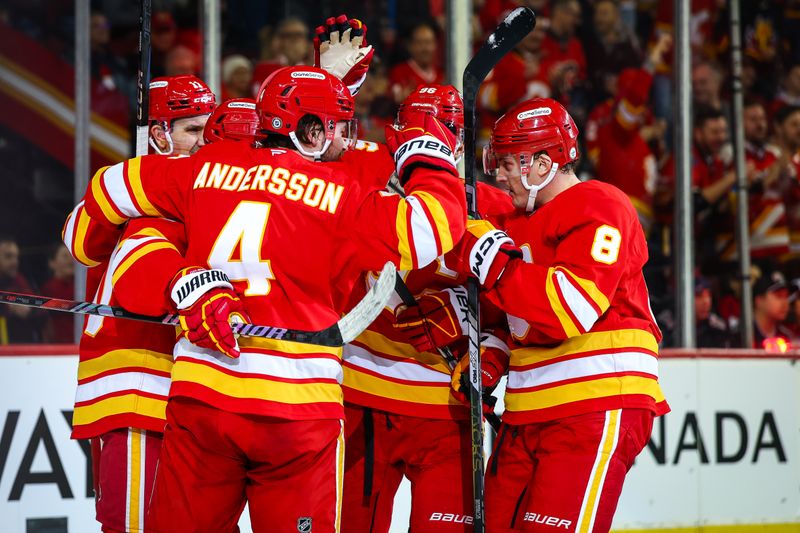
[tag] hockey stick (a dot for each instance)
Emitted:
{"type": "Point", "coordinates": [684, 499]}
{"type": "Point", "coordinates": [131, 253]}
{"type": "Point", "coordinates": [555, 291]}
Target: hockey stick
{"type": "Point", "coordinates": [143, 80]}
{"type": "Point", "coordinates": [511, 31]}
{"type": "Point", "coordinates": [345, 330]}
{"type": "Point", "coordinates": [409, 301]}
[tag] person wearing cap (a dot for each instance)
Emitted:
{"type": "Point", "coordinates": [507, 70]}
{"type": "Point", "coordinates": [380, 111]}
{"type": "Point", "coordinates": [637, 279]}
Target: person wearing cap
{"type": "Point", "coordinates": [770, 309]}
{"type": "Point", "coordinates": [237, 78]}
{"type": "Point", "coordinates": [711, 329]}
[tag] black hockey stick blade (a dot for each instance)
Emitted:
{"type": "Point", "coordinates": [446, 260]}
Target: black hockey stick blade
{"type": "Point", "coordinates": [345, 330]}
{"type": "Point", "coordinates": [506, 36]}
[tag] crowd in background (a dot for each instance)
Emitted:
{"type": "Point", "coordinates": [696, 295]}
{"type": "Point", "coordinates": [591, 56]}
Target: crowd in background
{"type": "Point", "coordinates": [609, 61]}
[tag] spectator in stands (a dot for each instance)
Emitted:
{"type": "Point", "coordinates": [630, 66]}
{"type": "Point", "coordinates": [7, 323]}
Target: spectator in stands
{"type": "Point", "coordinates": [621, 151]}
{"type": "Point", "coordinates": [793, 321]}
{"type": "Point", "coordinates": [181, 60]}
{"type": "Point", "coordinates": [706, 85]}
{"type": "Point", "coordinates": [712, 180]}
{"type": "Point", "coordinates": [421, 67]}
{"type": "Point", "coordinates": [60, 326]}
{"type": "Point", "coordinates": [163, 36]}
{"type": "Point", "coordinates": [787, 136]}
{"type": "Point", "coordinates": [610, 48]}
{"type": "Point", "coordinates": [107, 68]}
{"type": "Point", "coordinates": [563, 54]}
{"type": "Point", "coordinates": [374, 108]}
{"type": "Point", "coordinates": [237, 77]}
{"type": "Point", "coordinates": [789, 93]}
{"type": "Point", "coordinates": [18, 324]}
{"type": "Point", "coordinates": [711, 330]}
{"type": "Point", "coordinates": [769, 233]}
{"type": "Point", "coordinates": [770, 309]}
{"type": "Point", "coordinates": [290, 45]}
{"type": "Point", "coordinates": [519, 75]}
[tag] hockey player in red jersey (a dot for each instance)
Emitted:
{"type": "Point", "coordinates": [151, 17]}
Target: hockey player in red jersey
{"type": "Point", "coordinates": [583, 373]}
{"type": "Point", "coordinates": [124, 368]}
{"type": "Point", "coordinates": [401, 419]}
{"type": "Point", "coordinates": [260, 419]}
{"type": "Point", "coordinates": [179, 109]}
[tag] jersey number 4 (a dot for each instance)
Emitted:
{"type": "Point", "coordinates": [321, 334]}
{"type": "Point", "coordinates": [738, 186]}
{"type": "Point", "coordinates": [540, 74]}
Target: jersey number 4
{"type": "Point", "coordinates": [238, 248]}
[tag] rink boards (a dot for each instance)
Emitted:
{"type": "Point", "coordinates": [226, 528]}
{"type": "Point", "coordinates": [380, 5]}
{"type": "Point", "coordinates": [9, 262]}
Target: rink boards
{"type": "Point", "coordinates": [726, 459]}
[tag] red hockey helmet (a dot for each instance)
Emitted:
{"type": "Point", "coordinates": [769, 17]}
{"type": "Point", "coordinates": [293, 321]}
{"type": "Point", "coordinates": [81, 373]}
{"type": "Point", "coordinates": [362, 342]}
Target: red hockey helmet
{"type": "Point", "coordinates": [174, 97]}
{"type": "Point", "coordinates": [533, 126]}
{"type": "Point", "coordinates": [442, 101]}
{"type": "Point", "coordinates": [290, 93]}
{"type": "Point", "coordinates": [235, 120]}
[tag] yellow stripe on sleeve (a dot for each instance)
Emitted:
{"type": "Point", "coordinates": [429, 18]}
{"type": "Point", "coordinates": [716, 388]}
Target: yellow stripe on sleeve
{"type": "Point", "coordinates": [558, 308]}
{"type": "Point", "coordinates": [440, 219]}
{"type": "Point", "coordinates": [135, 179]}
{"type": "Point", "coordinates": [403, 246]}
{"type": "Point", "coordinates": [81, 227]}
{"type": "Point", "coordinates": [102, 200]}
{"type": "Point", "coordinates": [136, 255]}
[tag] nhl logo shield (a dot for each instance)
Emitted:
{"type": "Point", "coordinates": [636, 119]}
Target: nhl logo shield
{"type": "Point", "coordinates": [304, 524]}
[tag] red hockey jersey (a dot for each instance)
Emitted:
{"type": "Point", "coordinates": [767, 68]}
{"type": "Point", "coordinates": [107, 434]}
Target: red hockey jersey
{"type": "Point", "coordinates": [578, 309]}
{"type": "Point", "coordinates": [124, 366]}
{"type": "Point", "coordinates": [383, 371]}
{"type": "Point", "coordinates": [276, 224]}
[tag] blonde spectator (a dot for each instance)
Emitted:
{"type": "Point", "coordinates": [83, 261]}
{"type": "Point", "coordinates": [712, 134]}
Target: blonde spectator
{"type": "Point", "coordinates": [237, 77]}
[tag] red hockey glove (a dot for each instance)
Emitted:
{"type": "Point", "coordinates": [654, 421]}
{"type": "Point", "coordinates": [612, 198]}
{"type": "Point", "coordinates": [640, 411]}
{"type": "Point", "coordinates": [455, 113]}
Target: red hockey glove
{"type": "Point", "coordinates": [486, 251]}
{"type": "Point", "coordinates": [494, 364]}
{"type": "Point", "coordinates": [438, 319]}
{"type": "Point", "coordinates": [340, 48]}
{"type": "Point", "coordinates": [424, 141]}
{"type": "Point", "coordinates": [207, 304]}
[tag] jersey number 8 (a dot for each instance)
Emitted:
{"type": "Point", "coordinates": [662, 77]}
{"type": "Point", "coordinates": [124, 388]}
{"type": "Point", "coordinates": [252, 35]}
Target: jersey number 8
{"type": "Point", "coordinates": [605, 248]}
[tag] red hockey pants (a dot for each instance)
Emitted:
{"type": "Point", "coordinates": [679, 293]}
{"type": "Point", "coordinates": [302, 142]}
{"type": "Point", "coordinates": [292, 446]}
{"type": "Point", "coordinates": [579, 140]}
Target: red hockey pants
{"type": "Point", "coordinates": [433, 454]}
{"type": "Point", "coordinates": [563, 475]}
{"type": "Point", "coordinates": [212, 461]}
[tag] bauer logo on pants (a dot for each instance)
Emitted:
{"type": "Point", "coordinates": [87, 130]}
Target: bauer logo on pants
{"type": "Point", "coordinates": [304, 524]}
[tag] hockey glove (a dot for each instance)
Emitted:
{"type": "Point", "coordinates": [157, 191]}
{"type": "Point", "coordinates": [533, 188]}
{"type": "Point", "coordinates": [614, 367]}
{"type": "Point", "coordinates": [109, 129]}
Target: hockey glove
{"type": "Point", "coordinates": [340, 48]}
{"type": "Point", "coordinates": [438, 319]}
{"type": "Point", "coordinates": [494, 364]}
{"type": "Point", "coordinates": [486, 251]}
{"type": "Point", "coordinates": [423, 141]}
{"type": "Point", "coordinates": [207, 304]}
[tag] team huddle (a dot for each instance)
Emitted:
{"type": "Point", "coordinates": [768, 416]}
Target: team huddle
{"type": "Point", "coordinates": [271, 211]}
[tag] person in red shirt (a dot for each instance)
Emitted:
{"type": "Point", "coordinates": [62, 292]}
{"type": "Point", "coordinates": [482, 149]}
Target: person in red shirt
{"type": "Point", "coordinates": [422, 66]}
{"type": "Point", "coordinates": [787, 135]}
{"type": "Point", "coordinates": [519, 75]}
{"type": "Point", "coordinates": [563, 54]}
{"type": "Point", "coordinates": [583, 386]}
{"type": "Point", "coordinates": [60, 327]}
{"type": "Point", "coordinates": [769, 231]}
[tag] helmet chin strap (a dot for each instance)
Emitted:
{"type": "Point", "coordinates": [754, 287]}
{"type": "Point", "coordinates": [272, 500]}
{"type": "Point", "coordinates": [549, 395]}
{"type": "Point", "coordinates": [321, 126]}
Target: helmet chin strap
{"type": "Point", "coordinates": [533, 190]}
{"type": "Point", "coordinates": [169, 141]}
{"type": "Point", "coordinates": [316, 155]}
